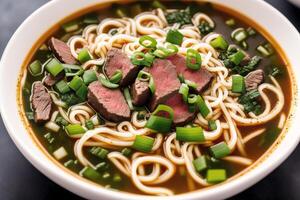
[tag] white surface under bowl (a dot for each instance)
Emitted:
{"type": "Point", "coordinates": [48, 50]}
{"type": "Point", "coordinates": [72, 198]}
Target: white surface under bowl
{"type": "Point", "coordinates": [41, 20]}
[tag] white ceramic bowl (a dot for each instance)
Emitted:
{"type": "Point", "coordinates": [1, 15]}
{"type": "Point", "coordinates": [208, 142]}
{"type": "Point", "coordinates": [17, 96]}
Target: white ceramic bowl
{"type": "Point", "coordinates": [41, 20]}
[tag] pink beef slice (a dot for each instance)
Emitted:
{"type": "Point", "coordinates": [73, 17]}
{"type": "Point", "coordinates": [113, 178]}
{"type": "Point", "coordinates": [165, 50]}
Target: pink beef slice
{"type": "Point", "coordinates": [61, 51]}
{"type": "Point", "coordinates": [41, 102]}
{"type": "Point", "coordinates": [140, 92]}
{"type": "Point", "coordinates": [182, 115]}
{"type": "Point", "coordinates": [165, 81]}
{"type": "Point", "coordinates": [118, 60]}
{"type": "Point", "coordinates": [110, 103]}
{"type": "Point", "coordinates": [201, 77]}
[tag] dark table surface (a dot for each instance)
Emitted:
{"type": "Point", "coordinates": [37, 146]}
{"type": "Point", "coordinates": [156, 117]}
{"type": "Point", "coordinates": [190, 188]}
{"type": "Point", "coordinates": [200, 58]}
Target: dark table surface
{"type": "Point", "coordinates": [20, 180]}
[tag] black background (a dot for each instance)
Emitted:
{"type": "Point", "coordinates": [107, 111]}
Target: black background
{"type": "Point", "coordinates": [20, 180]}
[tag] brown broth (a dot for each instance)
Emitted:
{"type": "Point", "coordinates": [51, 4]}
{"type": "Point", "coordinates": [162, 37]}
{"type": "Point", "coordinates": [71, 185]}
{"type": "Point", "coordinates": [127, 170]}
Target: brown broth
{"type": "Point", "coordinates": [255, 148]}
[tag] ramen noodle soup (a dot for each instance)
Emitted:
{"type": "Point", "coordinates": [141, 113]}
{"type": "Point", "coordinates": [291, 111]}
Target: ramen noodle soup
{"type": "Point", "coordinates": [156, 98]}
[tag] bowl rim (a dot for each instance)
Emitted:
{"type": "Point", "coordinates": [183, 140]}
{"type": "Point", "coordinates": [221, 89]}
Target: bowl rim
{"type": "Point", "coordinates": [80, 188]}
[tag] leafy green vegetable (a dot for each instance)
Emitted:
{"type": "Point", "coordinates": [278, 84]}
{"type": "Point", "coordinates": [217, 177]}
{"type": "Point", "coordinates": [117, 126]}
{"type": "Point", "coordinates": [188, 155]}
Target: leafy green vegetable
{"type": "Point", "coordinates": [250, 102]}
{"type": "Point", "coordinates": [269, 136]}
{"type": "Point", "coordinates": [205, 28]}
{"type": "Point", "coordinates": [181, 16]}
{"type": "Point", "coordinates": [70, 98]}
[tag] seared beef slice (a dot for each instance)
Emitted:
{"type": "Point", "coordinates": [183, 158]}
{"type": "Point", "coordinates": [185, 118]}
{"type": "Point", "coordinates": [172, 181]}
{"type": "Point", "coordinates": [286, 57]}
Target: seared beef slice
{"type": "Point", "coordinates": [201, 77]}
{"type": "Point", "coordinates": [165, 81]}
{"type": "Point", "coordinates": [41, 102]}
{"type": "Point", "coordinates": [181, 110]}
{"type": "Point", "coordinates": [111, 104]}
{"type": "Point", "coordinates": [62, 51]}
{"type": "Point", "coordinates": [140, 92]}
{"type": "Point", "coordinates": [117, 60]}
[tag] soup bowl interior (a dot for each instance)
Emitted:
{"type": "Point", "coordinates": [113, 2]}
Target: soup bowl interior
{"type": "Point", "coordinates": [24, 39]}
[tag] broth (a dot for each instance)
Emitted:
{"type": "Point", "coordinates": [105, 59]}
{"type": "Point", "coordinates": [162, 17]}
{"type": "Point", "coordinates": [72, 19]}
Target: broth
{"type": "Point", "coordinates": [255, 148]}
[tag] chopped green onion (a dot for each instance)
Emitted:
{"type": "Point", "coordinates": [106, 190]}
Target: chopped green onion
{"type": "Point", "coordinates": [203, 108]}
{"type": "Point", "coordinates": [200, 163]}
{"type": "Point", "coordinates": [120, 12]}
{"type": "Point", "coordinates": [70, 164]}
{"type": "Point", "coordinates": [191, 84]}
{"type": "Point", "coordinates": [68, 67]}
{"type": "Point", "coordinates": [144, 76]}
{"type": "Point", "coordinates": [84, 55]}
{"type": "Point", "coordinates": [212, 125]}
{"type": "Point", "coordinates": [117, 178]}
{"type": "Point", "coordinates": [62, 87]}
{"type": "Point", "coordinates": [126, 152]}
{"type": "Point", "coordinates": [89, 76]}
{"type": "Point", "coordinates": [76, 83]}
{"type": "Point", "coordinates": [275, 71]}
{"type": "Point", "coordinates": [50, 139]}
{"type": "Point", "coordinates": [251, 31]}
{"type": "Point", "coordinates": [148, 41]}
{"type": "Point", "coordinates": [190, 134]}
{"type": "Point", "coordinates": [237, 57]}
{"type": "Point", "coordinates": [238, 84]}
{"type": "Point", "coordinates": [82, 92]}
{"type": "Point", "coordinates": [239, 35]}
{"type": "Point", "coordinates": [143, 143]}
{"type": "Point", "coordinates": [61, 121]}
{"type": "Point", "coordinates": [230, 22]}
{"type": "Point", "coordinates": [158, 4]}
{"type": "Point", "coordinates": [151, 85]}
{"type": "Point", "coordinates": [184, 91]}
{"type": "Point", "coordinates": [90, 173]}
{"type": "Point", "coordinates": [54, 67]}
{"type": "Point", "coordinates": [181, 78]}
{"type": "Point", "coordinates": [107, 83]}
{"type": "Point", "coordinates": [174, 37]}
{"type": "Point", "coordinates": [219, 43]}
{"type": "Point", "coordinates": [116, 77]}
{"type": "Point", "coordinates": [30, 115]}
{"type": "Point", "coordinates": [74, 129]}
{"type": "Point", "coordinates": [106, 175]}
{"type": "Point", "coordinates": [128, 98]}
{"type": "Point", "coordinates": [216, 175]}
{"type": "Point", "coordinates": [99, 152]}
{"type": "Point", "coordinates": [102, 166]}
{"type": "Point", "coordinates": [91, 19]}
{"type": "Point", "coordinates": [141, 59]}
{"type": "Point", "coordinates": [220, 150]}
{"type": "Point", "coordinates": [35, 68]}
{"type": "Point", "coordinates": [71, 26]}
{"type": "Point", "coordinates": [161, 124]}
{"type": "Point", "coordinates": [265, 50]}
{"type": "Point", "coordinates": [89, 124]}
{"type": "Point", "coordinates": [244, 45]}
{"type": "Point", "coordinates": [162, 52]}
{"type": "Point", "coordinates": [193, 59]}
{"type": "Point", "coordinates": [193, 99]}
{"type": "Point", "coordinates": [60, 153]}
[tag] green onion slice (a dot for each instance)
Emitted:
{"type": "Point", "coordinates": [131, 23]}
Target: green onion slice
{"type": "Point", "coordinates": [200, 163]}
{"type": "Point", "coordinates": [237, 57]}
{"type": "Point", "coordinates": [239, 35]}
{"type": "Point", "coordinates": [193, 59]}
{"type": "Point", "coordinates": [116, 77]}
{"type": "Point", "coordinates": [141, 59]}
{"type": "Point", "coordinates": [216, 175]}
{"type": "Point", "coordinates": [54, 67]}
{"type": "Point", "coordinates": [203, 108]}
{"type": "Point", "coordinates": [219, 43]}
{"type": "Point", "coordinates": [144, 76]}
{"type": "Point", "coordinates": [158, 123]}
{"type": "Point", "coordinates": [36, 68]}
{"type": "Point", "coordinates": [106, 82]}
{"type": "Point", "coordinates": [190, 134]}
{"type": "Point", "coordinates": [238, 84]}
{"type": "Point", "coordinates": [184, 91]}
{"type": "Point", "coordinates": [220, 150]}
{"type": "Point", "coordinates": [174, 37]}
{"type": "Point", "coordinates": [74, 129]}
{"type": "Point", "coordinates": [148, 41]}
{"type": "Point", "coordinates": [143, 143]}
{"type": "Point", "coordinates": [89, 76]}
{"type": "Point", "coordinates": [128, 98]}
{"type": "Point", "coordinates": [84, 56]}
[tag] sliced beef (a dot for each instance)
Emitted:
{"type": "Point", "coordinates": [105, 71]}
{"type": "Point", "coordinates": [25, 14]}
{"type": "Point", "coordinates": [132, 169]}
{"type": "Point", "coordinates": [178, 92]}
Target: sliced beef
{"type": "Point", "coordinates": [62, 51]}
{"type": "Point", "coordinates": [201, 77]}
{"type": "Point", "coordinates": [51, 80]}
{"type": "Point", "coordinates": [165, 81]}
{"type": "Point", "coordinates": [111, 104]}
{"type": "Point", "coordinates": [41, 102]}
{"type": "Point", "coordinates": [117, 60]}
{"type": "Point", "coordinates": [254, 79]}
{"type": "Point", "coordinates": [140, 92]}
{"type": "Point", "coordinates": [182, 115]}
